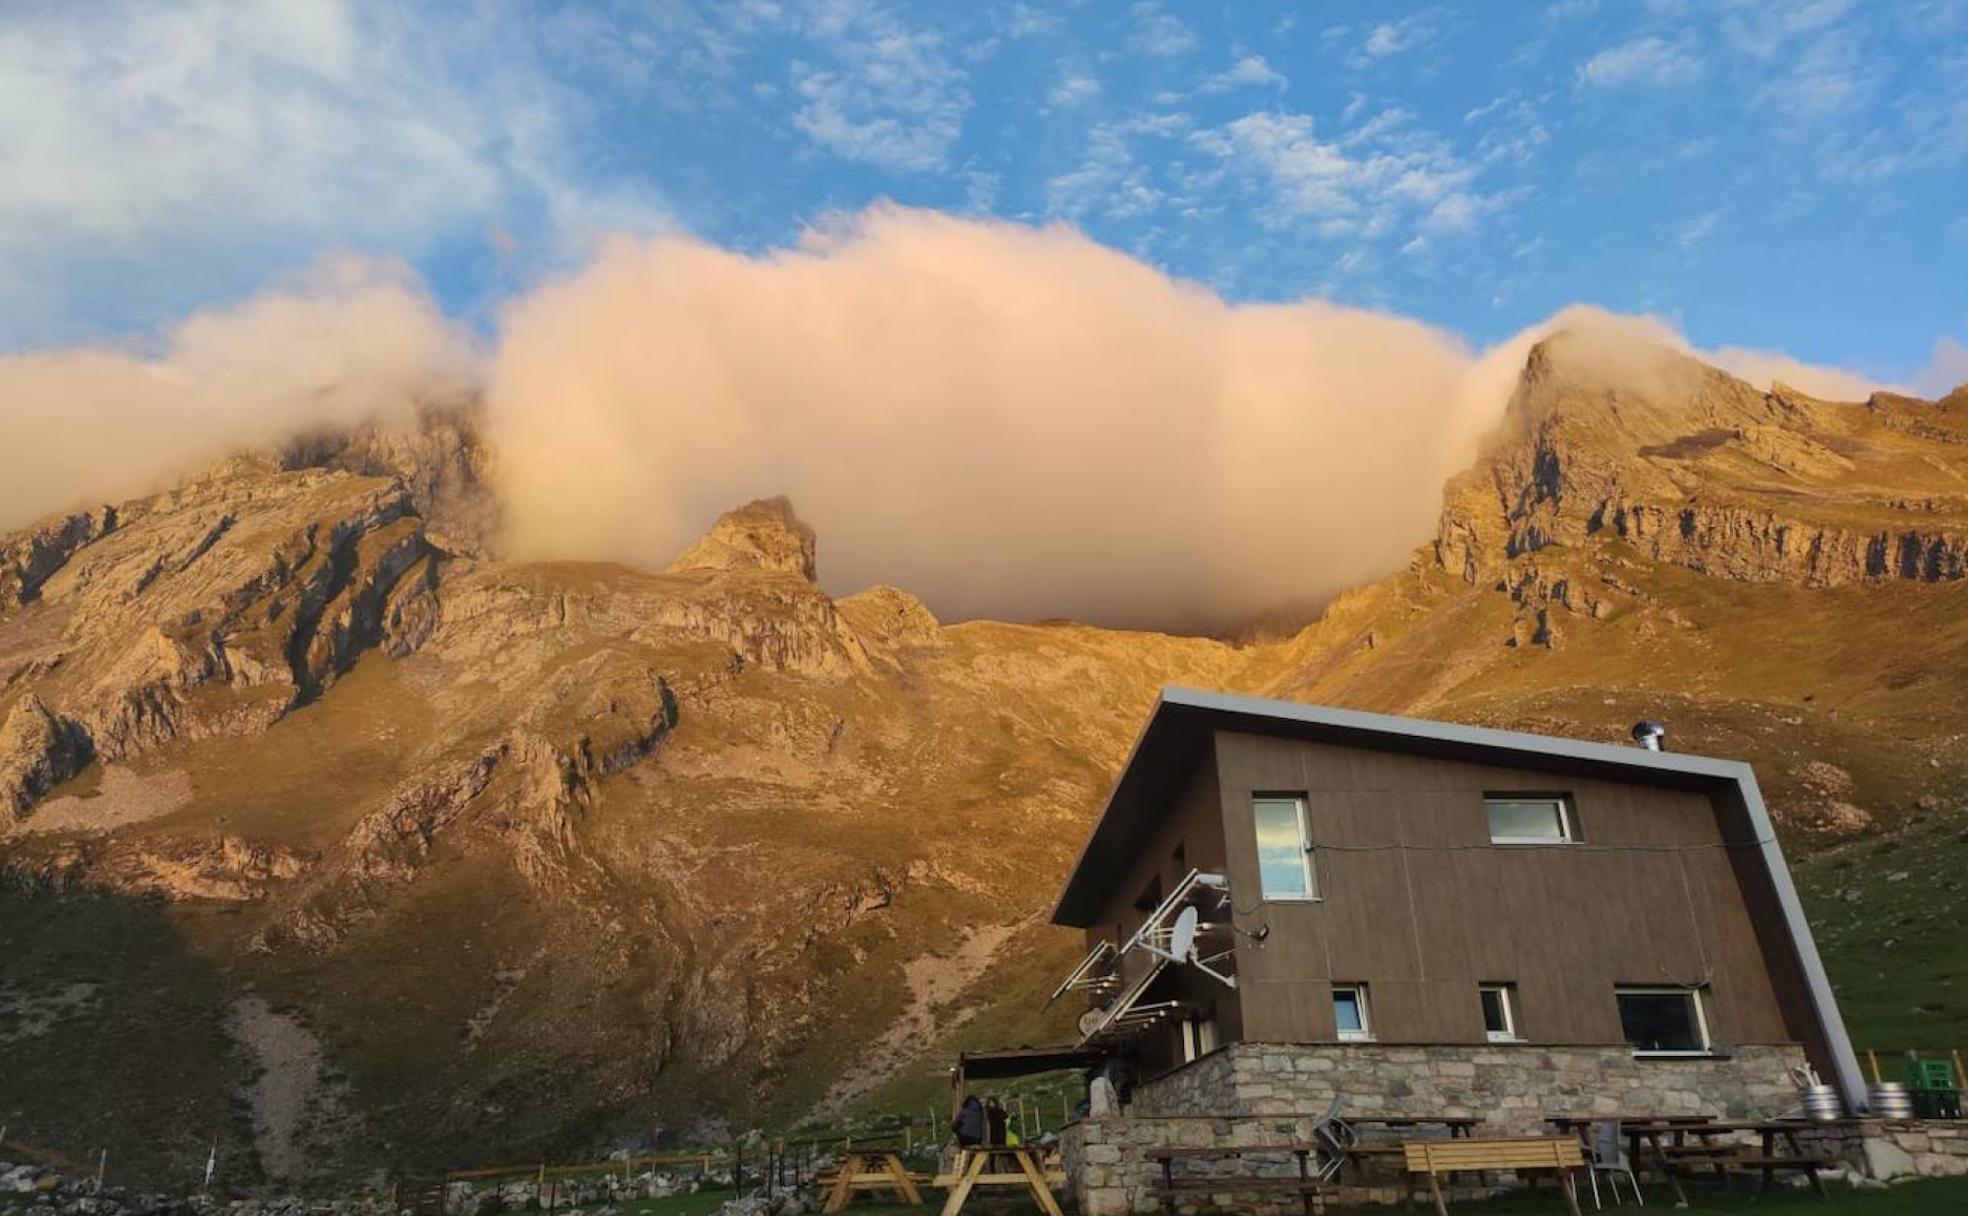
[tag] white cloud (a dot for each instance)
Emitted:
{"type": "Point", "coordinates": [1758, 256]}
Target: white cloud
{"type": "Point", "coordinates": [1648, 61]}
{"type": "Point", "coordinates": [1697, 230]}
{"type": "Point", "coordinates": [1362, 184]}
{"type": "Point", "coordinates": [1029, 21]}
{"type": "Point", "coordinates": [149, 148]}
{"type": "Point", "coordinates": [1946, 370]}
{"type": "Point", "coordinates": [1072, 88]}
{"type": "Point", "coordinates": [1249, 72]}
{"type": "Point", "coordinates": [347, 341]}
{"type": "Point", "coordinates": [1409, 33]}
{"type": "Point", "coordinates": [890, 95]}
{"type": "Point", "coordinates": [1764, 368]}
{"type": "Point", "coordinates": [1159, 33]}
{"type": "Point", "coordinates": [1823, 77]}
{"type": "Point", "coordinates": [1109, 180]}
{"type": "Point", "coordinates": [1456, 212]}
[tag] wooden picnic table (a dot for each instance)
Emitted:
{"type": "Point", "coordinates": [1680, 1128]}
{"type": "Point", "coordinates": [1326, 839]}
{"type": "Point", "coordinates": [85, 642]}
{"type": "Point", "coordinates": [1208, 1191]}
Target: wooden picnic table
{"type": "Point", "coordinates": [870, 1169]}
{"type": "Point", "coordinates": [1670, 1156]}
{"type": "Point", "coordinates": [1311, 1190]}
{"type": "Point", "coordinates": [1359, 1152]}
{"type": "Point", "coordinates": [1459, 1125]}
{"type": "Point", "coordinates": [982, 1165]}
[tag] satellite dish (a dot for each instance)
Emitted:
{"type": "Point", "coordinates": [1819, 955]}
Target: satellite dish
{"type": "Point", "coordinates": [1182, 938]}
{"type": "Point", "coordinates": [1090, 1022]}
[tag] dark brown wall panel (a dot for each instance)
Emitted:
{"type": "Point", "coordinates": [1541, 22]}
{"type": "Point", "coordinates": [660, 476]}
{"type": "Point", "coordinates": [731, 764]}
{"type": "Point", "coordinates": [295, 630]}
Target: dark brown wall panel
{"type": "Point", "coordinates": [1417, 903]}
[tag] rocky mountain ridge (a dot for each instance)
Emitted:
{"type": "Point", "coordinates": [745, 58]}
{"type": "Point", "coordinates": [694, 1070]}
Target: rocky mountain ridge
{"type": "Point", "coordinates": [512, 858]}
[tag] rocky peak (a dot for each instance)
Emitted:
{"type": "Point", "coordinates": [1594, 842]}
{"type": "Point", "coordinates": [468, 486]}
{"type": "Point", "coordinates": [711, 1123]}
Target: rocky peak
{"type": "Point", "coordinates": [761, 535]}
{"type": "Point", "coordinates": [437, 451]}
{"type": "Point", "coordinates": [1610, 438]}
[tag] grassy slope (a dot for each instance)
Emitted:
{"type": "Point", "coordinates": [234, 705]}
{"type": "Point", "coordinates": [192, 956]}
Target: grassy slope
{"type": "Point", "coordinates": [1872, 680]}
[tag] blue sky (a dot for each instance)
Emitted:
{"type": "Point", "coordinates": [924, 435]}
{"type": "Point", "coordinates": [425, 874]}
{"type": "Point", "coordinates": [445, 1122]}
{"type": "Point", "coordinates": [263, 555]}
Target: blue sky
{"type": "Point", "coordinates": [1786, 175]}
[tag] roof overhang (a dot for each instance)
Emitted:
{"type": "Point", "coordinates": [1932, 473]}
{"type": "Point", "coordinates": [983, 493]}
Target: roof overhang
{"type": "Point", "coordinates": [1184, 722]}
{"type": "Point", "coordinates": [1024, 1061]}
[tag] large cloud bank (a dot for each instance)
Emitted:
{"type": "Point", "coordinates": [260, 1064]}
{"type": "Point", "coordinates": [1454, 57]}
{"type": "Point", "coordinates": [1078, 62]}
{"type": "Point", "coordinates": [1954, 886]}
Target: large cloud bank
{"type": "Point", "coordinates": [349, 341]}
{"type": "Point", "coordinates": [1009, 421]}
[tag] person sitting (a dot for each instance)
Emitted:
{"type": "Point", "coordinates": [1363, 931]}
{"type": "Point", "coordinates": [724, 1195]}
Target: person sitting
{"type": "Point", "coordinates": [969, 1125]}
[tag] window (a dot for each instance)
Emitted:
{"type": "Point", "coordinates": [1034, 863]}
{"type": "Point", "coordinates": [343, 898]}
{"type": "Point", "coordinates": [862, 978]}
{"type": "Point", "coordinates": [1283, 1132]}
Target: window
{"type": "Point", "coordinates": [1350, 1011]}
{"type": "Point", "coordinates": [1284, 858]}
{"type": "Point", "coordinates": [1198, 1037]}
{"type": "Point", "coordinates": [1530, 818]}
{"type": "Point", "coordinates": [1499, 1012]}
{"type": "Point", "coordinates": [1663, 1021]}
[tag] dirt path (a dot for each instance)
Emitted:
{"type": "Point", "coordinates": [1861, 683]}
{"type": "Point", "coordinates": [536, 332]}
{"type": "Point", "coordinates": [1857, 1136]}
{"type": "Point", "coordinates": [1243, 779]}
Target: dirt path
{"type": "Point", "coordinates": [285, 1095]}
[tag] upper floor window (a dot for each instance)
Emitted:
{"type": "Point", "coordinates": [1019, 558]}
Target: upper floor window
{"type": "Point", "coordinates": [1499, 1012]}
{"type": "Point", "coordinates": [1284, 858]}
{"type": "Point", "coordinates": [1663, 1021]}
{"type": "Point", "coordinates": [1530, 818]}
{"type": "Point", "coordinates": [1350, 1015]}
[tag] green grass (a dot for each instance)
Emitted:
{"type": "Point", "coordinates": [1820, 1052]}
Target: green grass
{"type": "Point", "coordinates": [702, 1203]}
{"type": "Point", "coordinates": [1925, 1197]}
{"type": "Point", "coordinates": [1887, 912]}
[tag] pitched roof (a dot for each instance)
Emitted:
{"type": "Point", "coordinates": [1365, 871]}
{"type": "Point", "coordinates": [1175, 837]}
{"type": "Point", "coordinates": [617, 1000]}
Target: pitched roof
{"type": "Point", "coordinates": [1185, 719]}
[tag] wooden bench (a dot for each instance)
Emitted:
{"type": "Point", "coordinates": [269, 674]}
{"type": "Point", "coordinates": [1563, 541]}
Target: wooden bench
{"type": "Point", "coordinates": [1309, 1189]}
{"type": "Point", "coordinates": [1433, 1158]}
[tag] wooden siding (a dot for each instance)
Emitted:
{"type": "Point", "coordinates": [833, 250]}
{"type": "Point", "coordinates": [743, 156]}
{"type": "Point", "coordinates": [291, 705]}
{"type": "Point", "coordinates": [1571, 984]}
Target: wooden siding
{"type": "Point", "coordinates": [1193, 822]}
{"type": "Point", "coordinates": [1418, 904]}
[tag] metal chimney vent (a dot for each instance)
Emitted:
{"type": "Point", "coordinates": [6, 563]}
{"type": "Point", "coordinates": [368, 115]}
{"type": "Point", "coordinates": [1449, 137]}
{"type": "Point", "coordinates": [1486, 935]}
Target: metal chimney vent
{"type": "Point", "coordinates": [1649, 733]}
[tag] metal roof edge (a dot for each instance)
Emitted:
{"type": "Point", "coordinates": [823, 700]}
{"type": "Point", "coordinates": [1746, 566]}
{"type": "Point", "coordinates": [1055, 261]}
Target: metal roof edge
{"type": "Point", "coordinates": [1107, 806]}
{"type": "Point", "coordinates": [1616, 754]}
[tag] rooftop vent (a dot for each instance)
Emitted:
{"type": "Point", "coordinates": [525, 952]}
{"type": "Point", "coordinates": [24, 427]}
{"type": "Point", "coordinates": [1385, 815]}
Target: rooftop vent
{"type": "Point", "coordinates": [1649, 733]}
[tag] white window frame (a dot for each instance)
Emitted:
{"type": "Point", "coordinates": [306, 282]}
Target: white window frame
{"type": "Point", "coordinates": [1199, 1037]}
{"type": "Point", "coordinates": [1365, 1034]}
{"type": "Point", "coordinates": [1507, 998]}
{"type": "Point", "coordinates": [1567, 819]}
{"type": "Point", "coordinates": [1695, 996]}
{"type": "Point", "coordinates": [1311, 892]}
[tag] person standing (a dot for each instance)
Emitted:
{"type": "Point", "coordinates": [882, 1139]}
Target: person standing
{"type": "Point", "coordinates": [994, 1119]}
{"type": "Point", "coordinates": [1102, 1098]}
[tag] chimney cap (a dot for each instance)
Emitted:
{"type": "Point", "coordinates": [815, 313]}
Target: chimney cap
{"type": "Point", "coordinates": [1648, 733]}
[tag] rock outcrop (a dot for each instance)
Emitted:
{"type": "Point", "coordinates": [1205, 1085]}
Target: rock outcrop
{"type": "Point", "coordinates": [1697, 468]}
{"type": "Point", "coordinates": [761, 535]}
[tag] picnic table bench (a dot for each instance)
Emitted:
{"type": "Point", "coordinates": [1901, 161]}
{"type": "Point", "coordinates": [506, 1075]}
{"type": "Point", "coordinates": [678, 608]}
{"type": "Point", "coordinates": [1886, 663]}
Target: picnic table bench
{"type": "Point", "coordinates": [1433, 1158]}
{"type": "Point", "coordinates": [983, 1165]}
{"type": "Point", "coordinates": [1309, 1189]}
{"type": "Point", "coordinates": [1359, 1152]}
{"type": "Point", "coordinates": [1778, 1149]}
{"type": "Point", "coordinates": [1672, 1143]}
{"type": "Point", "coordinates": [868, 1168]}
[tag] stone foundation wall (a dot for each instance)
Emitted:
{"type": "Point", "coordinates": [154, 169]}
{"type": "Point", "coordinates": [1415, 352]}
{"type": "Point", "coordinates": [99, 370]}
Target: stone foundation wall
{"type": "Point", "coordinates": [1511, 1087]}
{"type": "Point", "coordinates": [1895, 1148]}
{"type": "Point", "coordinates": [1109, 1174]}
